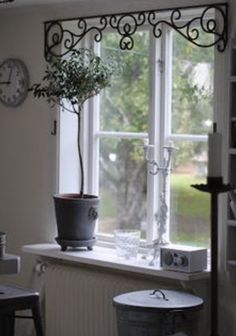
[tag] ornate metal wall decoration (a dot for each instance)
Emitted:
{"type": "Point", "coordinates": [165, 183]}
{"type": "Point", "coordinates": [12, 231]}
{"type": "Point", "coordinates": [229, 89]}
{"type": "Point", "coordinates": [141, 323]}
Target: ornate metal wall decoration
{"type": "Point", "coordinates": [63, 36]}
{"type": "Point", "coordinates": [5, 1]}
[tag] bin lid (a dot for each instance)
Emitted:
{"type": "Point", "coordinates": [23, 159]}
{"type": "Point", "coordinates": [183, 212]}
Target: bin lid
{"type": "Point", "coordinates": [158, 299]}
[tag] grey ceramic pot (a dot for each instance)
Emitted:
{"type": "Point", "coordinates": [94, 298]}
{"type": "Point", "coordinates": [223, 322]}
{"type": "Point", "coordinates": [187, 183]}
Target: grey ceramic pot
{"type": "Point", "coordinates": [76, 218]}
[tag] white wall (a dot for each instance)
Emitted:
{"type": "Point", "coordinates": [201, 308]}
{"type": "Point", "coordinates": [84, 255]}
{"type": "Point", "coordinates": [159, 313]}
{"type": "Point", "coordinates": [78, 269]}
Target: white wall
{"type": "Point", "coordinates": [26, 146]}
{"type": "Point", "coordinates": [27, 149]}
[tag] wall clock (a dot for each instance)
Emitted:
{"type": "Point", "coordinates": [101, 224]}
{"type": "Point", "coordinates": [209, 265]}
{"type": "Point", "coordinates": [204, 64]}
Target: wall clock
{"type": "Point", "coordinates": [14, 82]}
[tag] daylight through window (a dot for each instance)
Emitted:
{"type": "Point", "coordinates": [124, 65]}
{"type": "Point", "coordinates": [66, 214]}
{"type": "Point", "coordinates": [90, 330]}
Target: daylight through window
{"type": "Point", "coordinates": [164, 93]}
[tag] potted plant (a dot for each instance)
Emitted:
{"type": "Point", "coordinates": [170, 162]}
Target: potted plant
{"type": "Point", "coordinates": [73, 80]}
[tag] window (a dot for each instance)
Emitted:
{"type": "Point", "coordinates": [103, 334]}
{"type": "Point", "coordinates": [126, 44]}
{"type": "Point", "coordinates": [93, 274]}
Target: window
{"type": "Point", "coordinates": [164, 93]}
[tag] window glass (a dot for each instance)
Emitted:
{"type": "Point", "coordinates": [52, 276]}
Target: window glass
{"type": "Point", "coordinates": [191, 113]}
{"type": "Point", "coordinates": [122, 185]}
{"type": "Point", "coordinates": [123, 174]}
{"type": "Point", "coordinates": [190, 209]}
{"type": "Point", "coordinates": [192, 87]}
{"type": "Point", "coordinates": [125, 104]}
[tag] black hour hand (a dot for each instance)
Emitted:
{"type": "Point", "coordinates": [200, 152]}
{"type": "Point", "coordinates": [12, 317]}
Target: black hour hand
{"type": "Point", "coordinates": [5, 83]}
{"type": "Point", "coordinates": [10, 74]}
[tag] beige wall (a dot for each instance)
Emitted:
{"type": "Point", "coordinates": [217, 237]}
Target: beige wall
{"type": "Point", "coordinates": [27, 150]}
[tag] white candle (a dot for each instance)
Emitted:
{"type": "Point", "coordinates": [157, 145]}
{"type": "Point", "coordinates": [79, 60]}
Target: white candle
{"type": "Point", "coordinates": [214, 153]}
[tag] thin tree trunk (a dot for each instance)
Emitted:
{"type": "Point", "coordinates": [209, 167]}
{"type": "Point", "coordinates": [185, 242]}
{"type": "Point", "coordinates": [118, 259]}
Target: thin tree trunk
{"type": "Point", "coordinates": [80, 156]}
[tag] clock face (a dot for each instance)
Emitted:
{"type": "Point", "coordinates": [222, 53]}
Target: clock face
{"type": "Point", "coordinates": [13, 82]}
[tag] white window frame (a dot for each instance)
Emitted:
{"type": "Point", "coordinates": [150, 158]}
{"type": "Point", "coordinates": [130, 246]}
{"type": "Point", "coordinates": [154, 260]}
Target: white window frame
{"type": "Point", "coordinates": [159, 124]}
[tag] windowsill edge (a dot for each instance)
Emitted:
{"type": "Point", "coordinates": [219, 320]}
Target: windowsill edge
{"type": "Point", "coordinates": [106, 257]}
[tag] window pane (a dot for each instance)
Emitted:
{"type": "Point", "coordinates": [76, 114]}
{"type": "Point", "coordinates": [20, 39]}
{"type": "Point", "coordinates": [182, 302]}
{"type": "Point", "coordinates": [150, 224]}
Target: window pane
{"type": "Point", "coordinates": [192, 87]}
{"type": "Point", "coordinates": [124, 105]}
{"type": "Point", "coordinates": [122, 185]}
{"type": "Point", "coordinates": [189, 208]}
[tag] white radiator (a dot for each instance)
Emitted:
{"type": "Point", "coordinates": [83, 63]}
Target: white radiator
{"type": "Point", "coordinates": [79, 300]}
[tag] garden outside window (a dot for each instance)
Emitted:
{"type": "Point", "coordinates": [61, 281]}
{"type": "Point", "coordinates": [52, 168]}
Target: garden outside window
{"type": "Point", "coordinates": [163, 93]}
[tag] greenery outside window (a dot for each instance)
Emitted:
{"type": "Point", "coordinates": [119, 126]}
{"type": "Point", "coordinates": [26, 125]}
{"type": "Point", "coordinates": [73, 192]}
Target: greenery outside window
{"type": "Point", "coordinates": [164, 93]}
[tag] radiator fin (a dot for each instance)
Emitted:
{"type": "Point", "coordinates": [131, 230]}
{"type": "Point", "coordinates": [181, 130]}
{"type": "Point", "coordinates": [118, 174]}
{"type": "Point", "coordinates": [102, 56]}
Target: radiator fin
{"type": "Point", "coordinates": [79, 300]}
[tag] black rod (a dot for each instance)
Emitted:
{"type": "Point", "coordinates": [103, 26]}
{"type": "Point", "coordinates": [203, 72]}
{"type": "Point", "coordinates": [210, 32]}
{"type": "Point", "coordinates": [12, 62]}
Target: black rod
{"type": "Point", "coordinates": [214, 186]}
{"type": "Point", "coordinates": [214, 264]}
{"type": "Point", "coordinates": [213, 5]}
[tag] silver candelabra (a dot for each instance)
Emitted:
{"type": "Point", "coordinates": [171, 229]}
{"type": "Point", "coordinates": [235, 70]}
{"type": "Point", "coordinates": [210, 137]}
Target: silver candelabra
{"type": "Point", "coordinates": [162, 214]}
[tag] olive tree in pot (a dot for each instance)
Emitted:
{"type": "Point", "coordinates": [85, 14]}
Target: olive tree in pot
{"type": "Point", "coordinates": [70, 82]}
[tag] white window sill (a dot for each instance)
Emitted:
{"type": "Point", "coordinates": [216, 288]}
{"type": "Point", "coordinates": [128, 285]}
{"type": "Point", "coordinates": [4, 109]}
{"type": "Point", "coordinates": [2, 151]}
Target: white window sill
{"type": "Point", "coordinates": [106, 257]}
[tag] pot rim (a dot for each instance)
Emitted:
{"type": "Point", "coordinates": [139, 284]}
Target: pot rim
{"type": "Point", "coordinates": [76, 196]}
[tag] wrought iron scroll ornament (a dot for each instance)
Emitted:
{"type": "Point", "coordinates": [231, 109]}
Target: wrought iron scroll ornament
{"type": "Point", "coordinates": [63, 36]}
{"type": "Point", "coordinates": [5, 1]}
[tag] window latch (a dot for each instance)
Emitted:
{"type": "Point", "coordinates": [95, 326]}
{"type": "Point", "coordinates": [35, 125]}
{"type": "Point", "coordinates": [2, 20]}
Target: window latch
{"type": "Point", "coordinates": [54, 130]}
{"type": "Point", "coordinates": [161, 65]}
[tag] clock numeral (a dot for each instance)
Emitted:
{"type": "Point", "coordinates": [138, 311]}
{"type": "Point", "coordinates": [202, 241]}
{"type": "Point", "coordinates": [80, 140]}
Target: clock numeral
{"type": "Point", "coordinates": [13, 82]}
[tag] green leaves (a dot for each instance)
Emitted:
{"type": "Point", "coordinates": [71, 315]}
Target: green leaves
{"type": "Point", "coordinates": [77, 78]}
